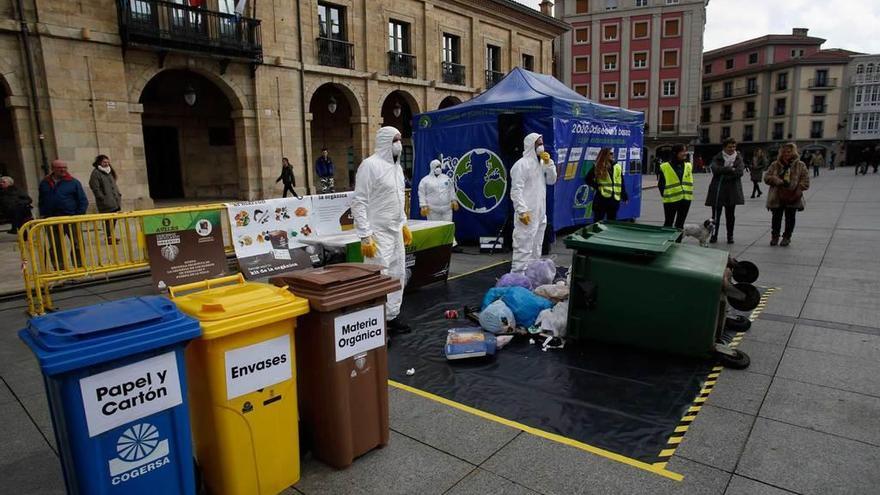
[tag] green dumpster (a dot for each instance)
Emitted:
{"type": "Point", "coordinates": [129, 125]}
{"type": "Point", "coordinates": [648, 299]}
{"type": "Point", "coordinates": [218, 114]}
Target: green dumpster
{"type": "Point", "coordinates": [632, 284]}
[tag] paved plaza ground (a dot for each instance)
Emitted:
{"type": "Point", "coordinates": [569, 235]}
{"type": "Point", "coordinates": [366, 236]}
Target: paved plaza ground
{"type": "Point", "coordinates": [801, 419]}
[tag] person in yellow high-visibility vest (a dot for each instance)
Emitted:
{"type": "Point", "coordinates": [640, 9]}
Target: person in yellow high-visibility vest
{"type": "Point", "coordinates": [676, 187]}
{"type": "Point", "coordinates": [606, 178]}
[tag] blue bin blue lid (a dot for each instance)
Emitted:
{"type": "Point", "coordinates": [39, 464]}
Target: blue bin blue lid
{"type": "Point", "coordinates": [81, 337]}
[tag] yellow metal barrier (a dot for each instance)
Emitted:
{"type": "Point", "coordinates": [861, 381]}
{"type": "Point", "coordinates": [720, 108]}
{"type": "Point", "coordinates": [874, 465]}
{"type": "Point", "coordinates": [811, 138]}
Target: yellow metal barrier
{"type": "Point", "coordinates": [78, 247]}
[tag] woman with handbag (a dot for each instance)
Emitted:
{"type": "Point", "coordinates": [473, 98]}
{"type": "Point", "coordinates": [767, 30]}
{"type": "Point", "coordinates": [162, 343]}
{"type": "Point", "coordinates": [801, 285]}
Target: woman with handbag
{"type": "Point", "coordinates": [788, 179]}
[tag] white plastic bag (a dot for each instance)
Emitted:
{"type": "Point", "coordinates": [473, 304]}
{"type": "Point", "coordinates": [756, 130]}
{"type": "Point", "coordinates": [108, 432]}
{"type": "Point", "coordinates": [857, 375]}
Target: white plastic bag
{"type": "Point", "coordinates": [497, 318]}
{"type": "Point", "coordinates": [555, 292]}
{"type": "Point", "coordinates": [554, 320]}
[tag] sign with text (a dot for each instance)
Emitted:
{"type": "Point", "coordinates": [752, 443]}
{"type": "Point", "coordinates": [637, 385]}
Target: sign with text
{"type": "Point", "coordinates": [359, 332]}
{"type": "Point", "coordinates": [258, 366]}
{"type": "Point", "coordinates": [184, 247]}
{"type": "Point", "coordinates": [128, 393]}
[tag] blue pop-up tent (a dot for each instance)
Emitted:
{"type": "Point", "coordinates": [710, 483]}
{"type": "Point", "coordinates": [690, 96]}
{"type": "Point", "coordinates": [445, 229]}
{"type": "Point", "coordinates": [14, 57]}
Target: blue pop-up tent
{"type": "Point", "coordinates": [479, 140]}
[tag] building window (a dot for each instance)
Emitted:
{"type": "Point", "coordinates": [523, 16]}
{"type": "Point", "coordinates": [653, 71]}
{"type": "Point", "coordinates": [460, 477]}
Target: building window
{"type": "Point", "coordinates": [331, 22]}
{"type": "Point", "coordinates": [582, 7]}
{"type": "Point", "coordinates": [870, 69]}
{"type": "Point", "coordinates": [639, 89]}
{"type": "Point", "coordinates": [451, 49]}
{"type": "Point", "coordinates": [728, 64]}
{"type": "Point", "coordinates": [728, 89]}
{"type": "Point", "coordinates": [782, 81]}
{"type": "Point", "coordinates": [609, 32]}
{"type": "Point", "coordinates": [856, 122]}
{"type": "Point", "coordinates": [780, 107]}
{"type": "Point", "coordinates": [752, 85]}
{"type": "Point", "coordinates": [819, 104]}
{"type": "Point", "coordinates": [797, 53]}
{"type": "Point", "coordinates": [581, 65]}
{"type": "Point", "coordinates": [609, 91]}
{"type": "Point", "coordinates": [670, 88]}
{"type": "Point", "coordinates": [582, 36]}
{"type": "Point", "coordinates": [582, 89]}
{"type": "Point", "coordinates": [860, 69]}
{"type": "Point", "coordinates": [817, 129]}
{"type": "Point", "coordinates": [398, 36]}
{"type": "Point", "coordinates": [821, 78]}
{"type": "Point", "coordinates": [707, 115]}
{"type": "Point", "coordinates": [640, 30]}
{"type": "Point", "coordinates": [748, 133]}
{"type": "Point", "coordinates": [671, 2]}
{"type": "Point", "coordinates": [610, 4]}
{"type": "Point", "coordinates": [671, 28]}
{"type": "Point", "coordinates": [727, 112]}
{"type": "Point", "coordinates": [778, 130]}
{"type": "Point", "coordinates": [707, 93]}
{"type": "Point", "coordinates": [725, 132]}
{"type": "Point", "coordinates": [704, 135]}
{"type": "Point", "coordinates": [670, 58]}
{"type": "Point", "coordinates": [859, 95]}
{"type": "Point", "coordinates": [528, 62]}
{"type": "Point", "coordinates": [750, 110]}
{"type": "Point", "coordinates": [667, 121]}
{"type": "Point", "coordinates": [753, 58]}
{"type": "Point", "coordinates": [707, 69]}
{"type": "Point", "coordinates": [493, 58]}
{"type": "Point", "coordinates": [609, 61]}
{"type": "Point", "coordinates": [641, 3]}
{"type": "Point", "coordinates": [640, 60]}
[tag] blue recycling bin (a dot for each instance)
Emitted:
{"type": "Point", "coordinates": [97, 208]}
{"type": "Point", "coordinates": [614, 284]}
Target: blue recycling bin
{"type": "Point", "coordinates": [116, 384]}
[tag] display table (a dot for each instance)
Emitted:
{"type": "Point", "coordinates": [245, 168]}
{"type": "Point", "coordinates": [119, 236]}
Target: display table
{"type": "Point", "coordinates": [427, 258]}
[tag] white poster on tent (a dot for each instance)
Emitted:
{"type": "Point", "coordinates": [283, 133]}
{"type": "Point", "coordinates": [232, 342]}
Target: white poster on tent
{"type": "Point", "coordinates": [575, 155]}
{"type": "Point", "coordinates": [593, 153]}
{"type": "Point", "coordinates": [561, 155]}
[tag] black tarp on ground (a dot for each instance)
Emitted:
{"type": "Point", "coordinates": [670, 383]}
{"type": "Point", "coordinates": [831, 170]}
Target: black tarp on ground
{"type": "Point", "coordinates": [619, 399]}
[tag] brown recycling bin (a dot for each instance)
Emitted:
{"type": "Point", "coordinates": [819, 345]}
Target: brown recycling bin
{"type": "Point", "coordinates": [342, 363]}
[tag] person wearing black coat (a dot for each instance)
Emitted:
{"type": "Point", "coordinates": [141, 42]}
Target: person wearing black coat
{"type": "Point", "coordinates": [15, 204]}
{"type": "Point", "coordinates": [605, 205]}
{"type": "Point", "coordinates": [725, 189]}
{"type": "Point", "coordinates": [287, 178]}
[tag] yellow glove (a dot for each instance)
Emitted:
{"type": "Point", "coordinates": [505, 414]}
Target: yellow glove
{"type": "Point", "coordinates": [525, 218]}
{"type": "Point", "coordinates": [454, 206]}
{"type": "Point", "coordinates": [424, 211]}
{"type": "Point", "coordinates": [545, 157]}
{"type": "Point", "coordinates": [368, 247]}
{"type": "Point", "coordinates": [407, 236]}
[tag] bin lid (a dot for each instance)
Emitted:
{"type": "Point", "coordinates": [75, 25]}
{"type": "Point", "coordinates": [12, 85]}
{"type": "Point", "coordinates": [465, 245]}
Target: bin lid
{"type": "Point", "coordinates": [337, 286]}
{"type": "Point", "coordinates": [91, 335]}
{"type": "Point", "coordinates": [623, 239]}
{"type": "Point", "coordinates": [330, 276]}
{"type": "Point", "coordinates": [233, 301]}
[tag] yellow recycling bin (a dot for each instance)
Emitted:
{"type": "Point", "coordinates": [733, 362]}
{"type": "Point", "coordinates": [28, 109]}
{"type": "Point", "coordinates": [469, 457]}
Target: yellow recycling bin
{"type": "Point", "coordinates": [242, 388]}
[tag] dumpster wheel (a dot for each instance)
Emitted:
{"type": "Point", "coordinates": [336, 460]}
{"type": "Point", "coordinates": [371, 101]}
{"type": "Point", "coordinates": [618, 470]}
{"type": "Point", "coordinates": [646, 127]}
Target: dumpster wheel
{"type": "Point", "coordinates": [732, 358]}
{"type": "Point", "coordinates": [737, 323]}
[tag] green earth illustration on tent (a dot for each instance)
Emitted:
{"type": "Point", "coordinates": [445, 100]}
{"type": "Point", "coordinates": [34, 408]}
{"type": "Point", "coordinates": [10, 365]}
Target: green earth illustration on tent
{"type": "Point", "coordinates": [480, 180]}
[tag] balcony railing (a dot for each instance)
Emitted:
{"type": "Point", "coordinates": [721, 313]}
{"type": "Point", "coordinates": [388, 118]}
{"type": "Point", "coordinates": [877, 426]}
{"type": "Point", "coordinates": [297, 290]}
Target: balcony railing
{"type": "Point", "coordinates": [452, 73]}
{"type": "Point", "coordinates": [401, 64]}
{"type": "Point", "coordinates": [779, 111]}
{"type": "Point", "coordinates": [335, 53]}
{"type": "Point", "coordinates": [777, 136]}
{"type": "Point", "coordinates": [819, 108]}
{"type": "Point", "coordinates": [782, 87]}
{"type": "Point", "coordinates": [492, 78]}
{"type": "Point", "coordinates": [816, 134]}
{"type": "Point", "coordinates": [668, 128]}
{"type": "Point", "coordinates": [727, 116]}
{"type": "Point", "coordinates": [733, 93]}
{"type": "Point", "coordinates": [748, 114]}
{"type": "Point", "coordinates": [171, 26]}
{"type": "Point", "coordinates": [822, 82]}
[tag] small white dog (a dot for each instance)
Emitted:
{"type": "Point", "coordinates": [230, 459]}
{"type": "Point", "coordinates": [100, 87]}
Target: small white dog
{"type": "Point", "coordinates": [701, 232]}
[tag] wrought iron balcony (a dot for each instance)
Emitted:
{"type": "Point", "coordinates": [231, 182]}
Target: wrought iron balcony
{"type": "Point", "coordinates": [779, 111]}
{"type": "Point", "coordinates": [727, 116]}
{"type": "Point", "coordinates": [819, 108]}
{"type": "Point", "coordinates": [335, 53]}
{"type": "Point", "coordinates": [493, 77]}
{"type": "Point", "coordinates": [816, 134]}
{"type": "Point", "coordinates": [732, 93]}
{"type": "Point", "coordinates": [748, 114]}
{"type": "Point", "coordinates": [401, 64]}
{"type": "Point", "coordinates": [452, 73]}
{"type": "Point", "coordinates": [823, 83]}
{"type": "Point", "coordinates": [171, 26]}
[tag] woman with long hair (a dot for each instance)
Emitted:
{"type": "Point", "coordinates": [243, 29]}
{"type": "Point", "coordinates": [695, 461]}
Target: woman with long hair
{"type": "Point", "coordinates": [788, 179]}
{"type": "Point", "coordinates": [725, 189]}
{"type": "Point", "coordinates": [108, 199]}
{"type": "Point", "coordinates": [756, 171]}
{"type": "Point", "coordinates": [606, 179]}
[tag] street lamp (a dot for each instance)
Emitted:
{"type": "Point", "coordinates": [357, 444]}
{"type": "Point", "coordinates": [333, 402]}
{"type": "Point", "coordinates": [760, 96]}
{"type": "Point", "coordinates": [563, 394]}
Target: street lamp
{"type": "Point", "coordinates": [189, 95]}
{"type": "Point", "coordinates": [331, 106]}
{"type": "Point", "coordinates": [397, 109]}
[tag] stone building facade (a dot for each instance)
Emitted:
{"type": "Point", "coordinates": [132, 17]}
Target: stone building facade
{"type": "Point", "coordinates": [198, 103]}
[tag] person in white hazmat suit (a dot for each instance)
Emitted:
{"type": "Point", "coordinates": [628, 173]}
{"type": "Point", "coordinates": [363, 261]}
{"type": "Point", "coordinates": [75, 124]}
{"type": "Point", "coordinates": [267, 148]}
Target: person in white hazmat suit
{"type": "Point", "coordinates": [529, 178]}
{"type": "Point", "coordinates": [437, 195]}
{"type": "Point", "coordinates": [379, 216]}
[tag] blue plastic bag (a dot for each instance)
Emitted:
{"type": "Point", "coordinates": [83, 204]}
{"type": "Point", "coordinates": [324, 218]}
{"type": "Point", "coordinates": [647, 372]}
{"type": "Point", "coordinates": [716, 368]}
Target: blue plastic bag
{"type": "Point", "coordinates": [525, 305]}
{"type": "Point", "coordinates": [497, 318]}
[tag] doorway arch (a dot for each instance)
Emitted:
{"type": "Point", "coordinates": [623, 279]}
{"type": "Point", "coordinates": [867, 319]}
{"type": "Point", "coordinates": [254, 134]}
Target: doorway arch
{"type": "Point", "coordinates": [335, 111]}
{"type": "Point", "coordinates": [449, 101]}
{"type": "Point", "coordinates": [10, 145]}
{"type": "Point", "coordinates": [398, 109]}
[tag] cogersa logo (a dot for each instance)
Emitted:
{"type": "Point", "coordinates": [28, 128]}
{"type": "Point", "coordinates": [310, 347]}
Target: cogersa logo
{"type": "Point", "coordinates": [139, 451]}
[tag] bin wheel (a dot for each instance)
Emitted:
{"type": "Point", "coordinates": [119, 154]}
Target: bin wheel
{"type": "Point", "coordinates": [739, 361]}
{"type": "Point", "coordinates": [737, 323]}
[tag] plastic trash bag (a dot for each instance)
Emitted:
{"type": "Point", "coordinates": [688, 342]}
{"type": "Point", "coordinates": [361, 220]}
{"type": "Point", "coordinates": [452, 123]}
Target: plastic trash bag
{"type": "Point", "coordinates": [554, 320]}
{"type": "Point", "coordinates": [524, 304]}
{"type": "Point", "coordinates": [555, 292]}
{"type": "Point", "coordinates": [497, 318]}
{"type": "Point", "coordinates": [541, 272]}
{"type": "Point", "coordinates": [514, 280]}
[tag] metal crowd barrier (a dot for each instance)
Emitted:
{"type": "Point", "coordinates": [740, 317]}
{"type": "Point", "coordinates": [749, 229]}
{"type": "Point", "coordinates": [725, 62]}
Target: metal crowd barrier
{"type": "Point", "coordinates": [58, 249]}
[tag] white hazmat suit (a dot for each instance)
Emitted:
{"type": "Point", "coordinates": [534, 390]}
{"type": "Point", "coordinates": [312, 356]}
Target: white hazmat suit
{"type": "Point", "coordinates": [378, 210]}
{"type": "Point", "coordinates": [437, 193]}
{"type": "Point", "coordinates": [528, 191]}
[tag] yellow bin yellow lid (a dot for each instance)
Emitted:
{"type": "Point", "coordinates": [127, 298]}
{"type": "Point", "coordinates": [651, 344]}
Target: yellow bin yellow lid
{"type": "Point", "coordinates": [223, 308]}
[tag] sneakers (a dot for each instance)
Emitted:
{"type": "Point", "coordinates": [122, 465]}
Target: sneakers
{"type": "Point", "coordinates": [397, 327]}
{"type": "Point", "coordinates": [774, 241]}
{"type": "Point", "coordinates": [785, 242]}
{"type": "Point", "coordinates": [730, 239]}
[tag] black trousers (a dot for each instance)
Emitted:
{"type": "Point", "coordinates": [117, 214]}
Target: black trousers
{"type": "Point", "coordinates": [605, 209]}
{"type": "Point", "coordinates": [288, 187]}
{"type": "Point", "coordinates": [676, 213]}
{"type": "Point", "coordinates": [776, 221]}
{"type": "Point", "coordinates": [729, 219]}
{"type": "Point", "coordinates": [756, 188]}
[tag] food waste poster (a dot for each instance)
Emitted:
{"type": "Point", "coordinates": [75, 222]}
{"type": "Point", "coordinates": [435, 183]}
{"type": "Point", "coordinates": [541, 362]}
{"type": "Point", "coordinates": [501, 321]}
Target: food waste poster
{"type": "Point", "coordinates": [184, 247]}
{"type": "Point", "coordinates": [268, 234]}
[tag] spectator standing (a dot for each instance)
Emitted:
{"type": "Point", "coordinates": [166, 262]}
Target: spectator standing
{"type": "Point", "coordinates": [62, 195]}
{"type": "Point", "coordinates": [324, 169]}
{"type": "Point", "coordinates": [606, 178]}
{"type": "Point", "coordinates": [108, 199]}
{"type": "Point", "coordinates": [817, 161]}
{"type": "Point", "coordinates": [725, 189]}
{"type": "Point", "coordinates": [756, 171]}
{"type": "Point", "coordinates": [676, 186]}
{"type": "Point", "coordinates": [287, 178]}
{"type": "Point", "coordinates": [788, 179]}
{"type": "Point", "coordinates": [15, 204]}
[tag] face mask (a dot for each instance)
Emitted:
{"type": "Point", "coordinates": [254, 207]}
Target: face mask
{"type": "Point", "coordinates": [437, 171]}
{"type": "Point", "coordinates": [539, 149]}
{"type": "Point", "coordinates": [396, 148]}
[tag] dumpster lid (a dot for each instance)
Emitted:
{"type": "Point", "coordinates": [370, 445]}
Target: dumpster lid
{"type": "Point", "coordinates": [337, 286]}
{"type": "Point", "coordinates": [94, 334]}
{"type": "Point", "coordinates": [231, 301]}
{"type": "Point", "coordinates": [623, 238]}
{"type": "Point", "coordinates": [328, 277]}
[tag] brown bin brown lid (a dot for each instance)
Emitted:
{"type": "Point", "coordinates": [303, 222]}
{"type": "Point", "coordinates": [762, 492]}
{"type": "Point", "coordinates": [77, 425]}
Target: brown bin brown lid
{"type": "Point", "coordinates": [337, 286]}
{"type": "Point", "coordinates": [329, 276]}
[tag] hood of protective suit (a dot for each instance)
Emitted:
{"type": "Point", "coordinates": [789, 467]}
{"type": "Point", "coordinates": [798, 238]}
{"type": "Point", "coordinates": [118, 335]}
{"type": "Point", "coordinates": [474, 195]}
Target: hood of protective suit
{"type": "Point", "coordinates": [384, 138]}
{"type": "Point", "coordinates": [435, 164]}
{"type": "Point", "coordinates": [529, 145]}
